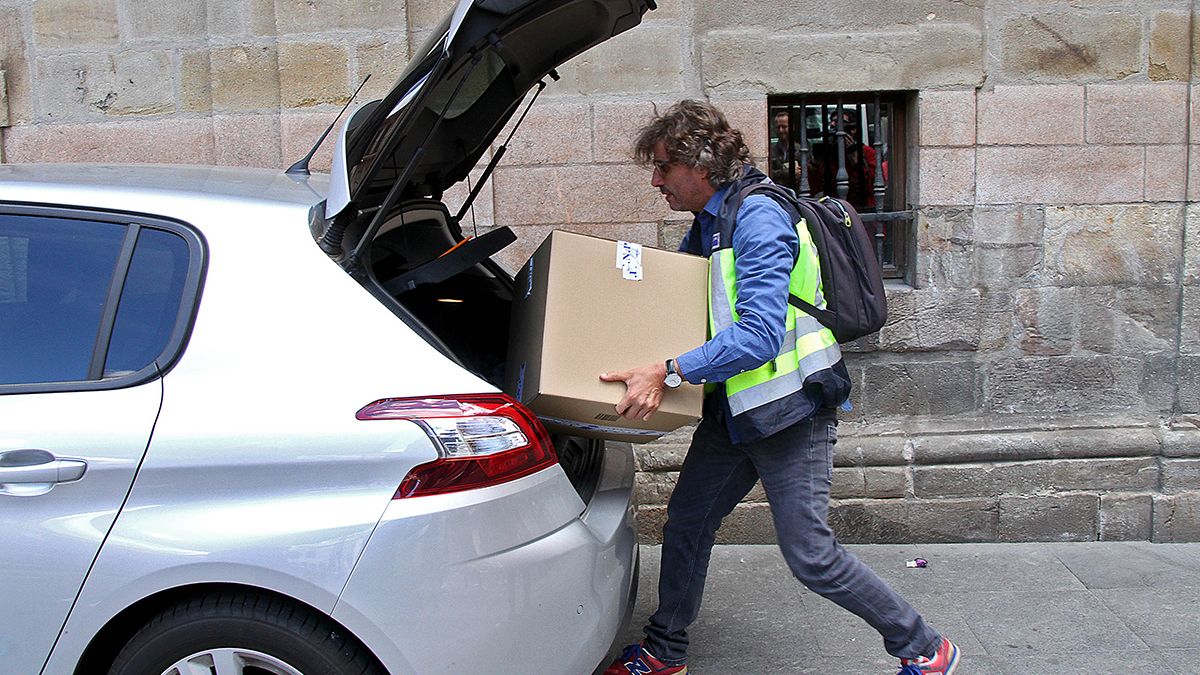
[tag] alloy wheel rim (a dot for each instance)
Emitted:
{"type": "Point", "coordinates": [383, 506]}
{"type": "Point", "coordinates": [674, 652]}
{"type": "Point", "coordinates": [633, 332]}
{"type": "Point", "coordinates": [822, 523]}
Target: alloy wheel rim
{"type": "Point", "coordinates": [230, 661]}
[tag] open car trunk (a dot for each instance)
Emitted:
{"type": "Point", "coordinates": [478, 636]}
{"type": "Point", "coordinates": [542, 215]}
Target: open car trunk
{"type": "Point", "coordinates": [468, 311]}
{"type": "Point", "coordinates": [449, 289]}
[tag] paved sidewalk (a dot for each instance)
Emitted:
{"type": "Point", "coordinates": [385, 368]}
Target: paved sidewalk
{"type": "Point", "coordinates": [1032, 609]}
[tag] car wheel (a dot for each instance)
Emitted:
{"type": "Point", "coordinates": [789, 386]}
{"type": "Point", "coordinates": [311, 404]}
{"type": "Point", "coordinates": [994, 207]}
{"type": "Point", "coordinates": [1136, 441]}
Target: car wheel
{"type": "Point", "coordinates": [238, 633]}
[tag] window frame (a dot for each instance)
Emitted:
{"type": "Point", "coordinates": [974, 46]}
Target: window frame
{"type": "Point", "coordinates": [899, 222]}
{"type": "Point", "coordinates": [185, 315]}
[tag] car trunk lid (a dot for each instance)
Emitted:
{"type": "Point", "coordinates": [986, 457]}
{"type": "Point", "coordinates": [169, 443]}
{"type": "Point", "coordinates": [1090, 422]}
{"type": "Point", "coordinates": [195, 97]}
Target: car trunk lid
{"type": "Point", "coordinates": [457, 94]}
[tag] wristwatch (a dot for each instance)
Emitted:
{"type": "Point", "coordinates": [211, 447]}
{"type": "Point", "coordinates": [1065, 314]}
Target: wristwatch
{"type": "Point", "coordinates": [673, 379]}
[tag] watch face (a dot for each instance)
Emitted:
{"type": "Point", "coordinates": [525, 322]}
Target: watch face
{"type": "Point", "coordinates": [673, 380]}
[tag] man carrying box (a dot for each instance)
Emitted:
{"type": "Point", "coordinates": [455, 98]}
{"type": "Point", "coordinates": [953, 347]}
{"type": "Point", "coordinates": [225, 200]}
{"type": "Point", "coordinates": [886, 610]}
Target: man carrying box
{"type": "Point", "coordinates": [774, 378]}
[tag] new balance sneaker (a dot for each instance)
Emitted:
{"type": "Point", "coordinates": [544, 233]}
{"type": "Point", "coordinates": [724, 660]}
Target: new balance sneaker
{"type": "Point", "coordinates": [637, 660]}
{"type": "Point", "coordinates": [944, 661]}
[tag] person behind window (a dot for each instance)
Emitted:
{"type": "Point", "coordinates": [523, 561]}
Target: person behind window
{"type": "Point", "coordinates": [860, 163]}
{"type": "Point", "coordinates": [781, 161]}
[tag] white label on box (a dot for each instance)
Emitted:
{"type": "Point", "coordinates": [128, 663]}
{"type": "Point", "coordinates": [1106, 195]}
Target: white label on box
{"type": "Point", "coordinates": [629, 260]}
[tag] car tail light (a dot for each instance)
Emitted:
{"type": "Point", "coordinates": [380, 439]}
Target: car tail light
{"type": "Point", "coordinates": [482, 440]}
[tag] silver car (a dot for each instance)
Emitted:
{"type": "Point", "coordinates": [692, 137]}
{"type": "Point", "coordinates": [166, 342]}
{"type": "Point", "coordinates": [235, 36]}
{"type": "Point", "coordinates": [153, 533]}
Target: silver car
{"type": "Point", "coordinates": [250, 422]}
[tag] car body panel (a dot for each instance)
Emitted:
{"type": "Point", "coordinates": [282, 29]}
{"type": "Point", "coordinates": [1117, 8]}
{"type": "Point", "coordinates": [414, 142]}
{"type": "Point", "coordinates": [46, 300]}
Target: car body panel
{"type": "Point", "coordinates": [480, 555]}
{"type": "Point", "coordinates": [288, 522]}
{"type": "Point", "coordinates": [51, 533]}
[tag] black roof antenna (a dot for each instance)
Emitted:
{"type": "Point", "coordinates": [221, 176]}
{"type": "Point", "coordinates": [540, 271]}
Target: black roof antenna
{"type": "Point", "coordinates": [301, 168]}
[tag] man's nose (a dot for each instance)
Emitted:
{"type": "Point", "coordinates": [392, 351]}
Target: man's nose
{"type": "Point", "coordinates": [656, 179]}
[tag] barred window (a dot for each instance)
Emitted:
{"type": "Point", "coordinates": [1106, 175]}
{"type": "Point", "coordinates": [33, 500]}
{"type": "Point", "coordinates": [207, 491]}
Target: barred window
{"type": "Point", "coordinates": [866, 168]}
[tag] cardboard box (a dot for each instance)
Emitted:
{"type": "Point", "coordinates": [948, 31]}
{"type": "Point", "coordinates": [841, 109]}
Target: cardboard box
{"type": "Point", "coordinates": [585, 306]}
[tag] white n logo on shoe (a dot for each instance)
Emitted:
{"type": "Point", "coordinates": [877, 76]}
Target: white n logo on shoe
{"type": "Point", "coordinates": [638, 667]}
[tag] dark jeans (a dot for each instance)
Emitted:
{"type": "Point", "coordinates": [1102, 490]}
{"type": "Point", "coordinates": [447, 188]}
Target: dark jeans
{"type": "Point", "coordinates": [796, 467]}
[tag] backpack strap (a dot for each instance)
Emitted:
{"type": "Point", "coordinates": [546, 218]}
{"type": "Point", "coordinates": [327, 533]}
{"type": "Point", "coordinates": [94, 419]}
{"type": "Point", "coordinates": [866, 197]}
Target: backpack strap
{"type": "Point", "coordinates": [727, 213]}
{"type": "Point", "coordinates": [693, 238]}
{"type": "Point", "coordinates": [790, 203]}
{"type": "Point", "coordinates": [813, 311]}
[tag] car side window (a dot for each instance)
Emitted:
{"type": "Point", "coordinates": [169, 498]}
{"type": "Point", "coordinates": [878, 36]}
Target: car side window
{"type": "Point", "coordinates": [55, 275]}
{"type": "Point", "coordinates": [92, 300]}
{"type": "Point", "coordinates": [150, 302]}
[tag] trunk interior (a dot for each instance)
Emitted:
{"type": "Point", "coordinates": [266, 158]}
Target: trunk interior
{"type": "Point", "coordinates": [466, 313]}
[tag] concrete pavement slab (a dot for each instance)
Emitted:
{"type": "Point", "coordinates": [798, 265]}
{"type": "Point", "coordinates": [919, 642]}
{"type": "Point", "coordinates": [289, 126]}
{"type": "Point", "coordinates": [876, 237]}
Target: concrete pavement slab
{"type": "Point", "coordinates": [1160, 617]}
{"type": "Point", "coordinates": [1182, 660]}
{"type": "Point", "coordinates": [1075, 664]}
{"type": "Point", "coordinates": [1129, 564]}
{"type": "Point", "coordinates": [1022, 608]}
{"type": "Point", "coordinates": [1015, 625]}
{"type": "Point", "coordinates": [969, 567]}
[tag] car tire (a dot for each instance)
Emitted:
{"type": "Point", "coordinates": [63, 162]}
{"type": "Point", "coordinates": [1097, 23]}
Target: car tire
{"type": "Point", "coordinates": [242, 633]}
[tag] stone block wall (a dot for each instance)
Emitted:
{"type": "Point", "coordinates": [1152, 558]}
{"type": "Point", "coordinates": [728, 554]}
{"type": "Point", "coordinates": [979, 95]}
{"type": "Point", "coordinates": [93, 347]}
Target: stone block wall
{"type": "Point", "coordinates": [232, 82]}
{"type": "Point", "coordinates": [1038, 376]}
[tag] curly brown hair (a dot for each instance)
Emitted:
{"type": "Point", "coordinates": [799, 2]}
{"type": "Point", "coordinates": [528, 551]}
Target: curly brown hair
{"type": "Point", "coordinates": [696, 134]}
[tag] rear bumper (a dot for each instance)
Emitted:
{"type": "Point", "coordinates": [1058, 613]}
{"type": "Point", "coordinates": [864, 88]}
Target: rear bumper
{"type": "Point", "coordinates": [485, 581]}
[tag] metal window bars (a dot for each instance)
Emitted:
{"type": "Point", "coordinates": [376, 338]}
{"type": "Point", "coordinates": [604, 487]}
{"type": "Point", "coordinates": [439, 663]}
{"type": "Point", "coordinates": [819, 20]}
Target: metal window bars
{"type": "Point", "coordinates": [794, 162]}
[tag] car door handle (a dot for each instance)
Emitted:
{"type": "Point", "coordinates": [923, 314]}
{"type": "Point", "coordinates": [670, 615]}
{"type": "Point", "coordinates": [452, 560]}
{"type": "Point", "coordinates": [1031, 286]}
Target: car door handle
{"type": "Point", "coordinates": [38, 466]}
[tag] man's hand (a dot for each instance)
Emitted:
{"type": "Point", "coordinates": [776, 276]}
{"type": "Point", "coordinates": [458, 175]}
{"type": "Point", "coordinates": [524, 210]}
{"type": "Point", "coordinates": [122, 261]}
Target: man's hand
{"type": "Point", "coordinates": [643, 390]}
